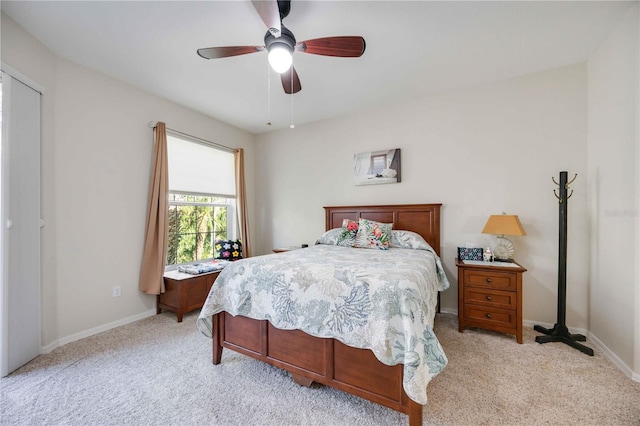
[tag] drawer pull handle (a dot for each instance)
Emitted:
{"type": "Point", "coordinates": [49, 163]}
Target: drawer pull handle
{"type": "Point", "coordinates": [488, 280]}
{"type": "Point", "coordinates": [489, 316]}
{"type": "Point", "coordinates": [489, 298]}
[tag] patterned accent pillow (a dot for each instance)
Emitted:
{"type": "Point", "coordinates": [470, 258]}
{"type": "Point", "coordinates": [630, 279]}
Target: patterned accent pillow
{"type": "Point", "coordinates": [330, 237]}
{"type": "Point", "coordinates": [229, 249]}
{"type": "Point", "coordinates": [347, 237]}
{"type": "Point", "coordinates": [372, 234]}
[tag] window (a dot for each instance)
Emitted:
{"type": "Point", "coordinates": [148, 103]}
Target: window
{"type": "Point", "coordinates": [378, 163]}
{"type": "Point", "coordinates": [201, 199]}
{"type": "Point", "coordinates": [195, 223]}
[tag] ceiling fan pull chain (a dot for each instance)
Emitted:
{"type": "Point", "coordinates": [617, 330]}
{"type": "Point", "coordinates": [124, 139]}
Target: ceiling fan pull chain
{"type": "Point", "coordinates": [291, 126]}
{"type": "Point", "coordinates": [268, 95]}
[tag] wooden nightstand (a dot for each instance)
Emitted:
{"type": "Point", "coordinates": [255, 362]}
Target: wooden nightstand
{"type": "Point", "coordinates": [490, 297]}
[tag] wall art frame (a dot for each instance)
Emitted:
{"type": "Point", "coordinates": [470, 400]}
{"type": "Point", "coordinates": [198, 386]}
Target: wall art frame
{"type": "Point", "coordinates": [377, 167]}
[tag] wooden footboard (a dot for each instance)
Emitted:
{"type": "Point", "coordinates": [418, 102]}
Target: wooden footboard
{"type": "Point", "coordinates": [309, 359]}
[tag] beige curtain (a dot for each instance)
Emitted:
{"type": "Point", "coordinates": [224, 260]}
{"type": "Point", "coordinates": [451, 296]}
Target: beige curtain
{"type": "Point", "coordinates": [241, 197]}
{"type": "Point", "coordinates": [155, 243]}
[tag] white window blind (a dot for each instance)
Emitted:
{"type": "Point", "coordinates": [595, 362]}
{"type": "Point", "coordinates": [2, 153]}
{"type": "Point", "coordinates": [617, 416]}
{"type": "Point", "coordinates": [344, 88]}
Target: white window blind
{"type": "Point", "coordinates": [200, 169]}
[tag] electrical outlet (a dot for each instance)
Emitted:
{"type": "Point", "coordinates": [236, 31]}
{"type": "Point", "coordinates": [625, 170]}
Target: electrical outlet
{"type": "Point", "coordinates": [116, 292]}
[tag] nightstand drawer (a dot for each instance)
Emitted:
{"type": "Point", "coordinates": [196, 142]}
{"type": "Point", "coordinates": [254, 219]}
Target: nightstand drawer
{"type": "Point", "coordinates": [490, 298]}
{"type": "Point", "coordinates": [496, 317]}
{"type": "Point", "coordinates": [490, 279]}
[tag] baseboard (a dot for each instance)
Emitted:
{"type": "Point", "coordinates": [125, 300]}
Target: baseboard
{"type": "Point", "coordinates": [92, 331]}
{"type": "Point", "coordinates": [614, 358]}
{"type": "Point", "coordinates": [449, 311]}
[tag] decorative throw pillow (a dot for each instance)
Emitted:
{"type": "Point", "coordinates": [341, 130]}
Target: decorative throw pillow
{"type": "Point", "coordinates": [348, 233]}
{"type": "Point", "coordinates": [228, 249]}
{"type": "Point", "coordinates": [372, 234]}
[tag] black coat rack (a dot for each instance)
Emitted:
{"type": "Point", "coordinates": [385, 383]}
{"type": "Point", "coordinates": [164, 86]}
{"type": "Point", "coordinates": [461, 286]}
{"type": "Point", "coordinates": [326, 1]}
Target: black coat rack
{"type": "Point", "coordinates": [560, 332]}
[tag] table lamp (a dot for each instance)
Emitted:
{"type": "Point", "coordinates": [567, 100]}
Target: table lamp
{"type": "Point", "coordinates": [501, 225]}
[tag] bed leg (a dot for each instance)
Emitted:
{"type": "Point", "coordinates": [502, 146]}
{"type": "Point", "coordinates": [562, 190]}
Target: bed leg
{"type": "Point", "coordinates": [217, 351]}
{"type": "Point", "coordinates": [415, 413]}
{"type": "Point", "coordinates": [216, 340]}
{"type": "Point", "coordinates": [301, 380]}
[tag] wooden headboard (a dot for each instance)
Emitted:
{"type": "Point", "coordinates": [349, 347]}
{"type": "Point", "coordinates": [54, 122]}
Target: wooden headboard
{"type": "Point", "coordinates": [423, 219]}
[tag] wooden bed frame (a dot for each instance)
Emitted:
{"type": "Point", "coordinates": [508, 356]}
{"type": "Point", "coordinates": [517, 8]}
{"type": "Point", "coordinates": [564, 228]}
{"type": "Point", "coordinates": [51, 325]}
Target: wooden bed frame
{"type": "Point", "coordinates": [328, 361]}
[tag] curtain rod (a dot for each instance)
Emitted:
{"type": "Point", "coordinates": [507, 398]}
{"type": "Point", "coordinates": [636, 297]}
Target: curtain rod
{"type": "Point", "coordinates": [152, 124]}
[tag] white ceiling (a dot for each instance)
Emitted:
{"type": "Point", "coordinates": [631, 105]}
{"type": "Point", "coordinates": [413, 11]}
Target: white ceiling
{"type": "Point", "coordinates": [414, 48]}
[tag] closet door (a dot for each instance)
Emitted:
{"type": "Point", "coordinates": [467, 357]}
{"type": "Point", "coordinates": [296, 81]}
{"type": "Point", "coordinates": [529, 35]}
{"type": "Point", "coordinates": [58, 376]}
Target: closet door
{"type": "Point", "coordinates": [20, 225]}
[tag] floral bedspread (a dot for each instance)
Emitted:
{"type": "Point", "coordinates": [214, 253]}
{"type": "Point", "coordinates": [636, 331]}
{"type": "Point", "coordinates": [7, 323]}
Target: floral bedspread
{"type": "Point", "coordinates": [382, 300]}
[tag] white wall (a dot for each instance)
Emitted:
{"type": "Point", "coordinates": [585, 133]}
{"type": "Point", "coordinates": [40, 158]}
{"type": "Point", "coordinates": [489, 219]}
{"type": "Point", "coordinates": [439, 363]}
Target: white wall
{"type": "Point", "coordinates": [613, 162]}
{"type": "Point", "coordinates": [478, 151]}
{"type": "Point", "coordinates": [96, 161]}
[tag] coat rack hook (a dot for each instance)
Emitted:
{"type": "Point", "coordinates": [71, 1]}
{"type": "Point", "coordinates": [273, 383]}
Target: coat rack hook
{"type": "Point", "coordinates": [556, 194]}
{"type": "Point", "coordinates": [569, 196]}
{"type": "Point", "coordinates": [571, 181]}
{"type": "Point", "coordinates": [554, 181]}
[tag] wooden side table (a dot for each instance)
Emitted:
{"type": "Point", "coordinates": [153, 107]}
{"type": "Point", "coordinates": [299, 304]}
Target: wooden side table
{"type": "Point", "coordinates": [490, 297]}
{"type": "Point", "coordinates": [185, 292]}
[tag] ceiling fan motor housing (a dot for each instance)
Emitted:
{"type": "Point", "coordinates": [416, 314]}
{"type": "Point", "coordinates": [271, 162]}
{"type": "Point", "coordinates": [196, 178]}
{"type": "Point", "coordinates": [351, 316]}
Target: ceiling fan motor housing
{"type": "Point", "coordinates": [286, 39]}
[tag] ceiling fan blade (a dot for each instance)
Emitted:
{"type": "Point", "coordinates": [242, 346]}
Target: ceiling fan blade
{"type": "Point", "coordinates": [270, 14]}
{"type": "Point", "coordinates": [225, 52]}
{"type": "Point", "coordinates": [344, 47]}
{"type": "Point", "coordinates": [290, 81]}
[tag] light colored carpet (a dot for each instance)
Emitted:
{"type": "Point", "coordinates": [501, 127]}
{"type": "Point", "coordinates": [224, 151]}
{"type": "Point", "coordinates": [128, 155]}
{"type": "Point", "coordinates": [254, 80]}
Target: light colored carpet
{"type": "Point", "coordinates": [158, 371]}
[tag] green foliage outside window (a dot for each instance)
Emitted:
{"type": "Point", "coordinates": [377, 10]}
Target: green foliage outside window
{"type": "Point", "coordinates": [195, 223]}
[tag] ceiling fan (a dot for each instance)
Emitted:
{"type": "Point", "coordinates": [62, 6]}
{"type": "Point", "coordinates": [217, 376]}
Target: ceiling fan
{"type": "Point", "coordinates": [280, 42]}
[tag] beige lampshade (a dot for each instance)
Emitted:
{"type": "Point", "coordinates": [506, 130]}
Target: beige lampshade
{"type": "Point", "coordinates": [504, 224]}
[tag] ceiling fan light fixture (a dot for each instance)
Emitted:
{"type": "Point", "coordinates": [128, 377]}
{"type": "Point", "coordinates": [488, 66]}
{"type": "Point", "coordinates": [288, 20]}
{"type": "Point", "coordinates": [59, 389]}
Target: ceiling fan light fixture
{"type": "Point", "coordinates": [280, 49]}
{"type": "Point", "coordinates": [280, 57]}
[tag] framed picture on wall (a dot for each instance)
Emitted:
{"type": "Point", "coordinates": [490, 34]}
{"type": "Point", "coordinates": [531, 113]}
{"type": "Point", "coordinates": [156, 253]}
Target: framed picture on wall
{"type": "Point", "coordinates": [377, 167]}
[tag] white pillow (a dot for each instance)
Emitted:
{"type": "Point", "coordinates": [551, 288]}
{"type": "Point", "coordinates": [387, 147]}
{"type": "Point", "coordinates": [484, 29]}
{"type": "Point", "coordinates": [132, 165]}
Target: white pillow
{"type": "Point", "coordinates": [408, 240]}
{"type": "Point", "coordinates": [330, 237]}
